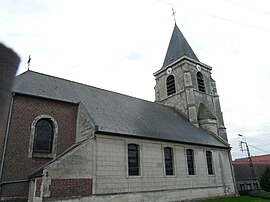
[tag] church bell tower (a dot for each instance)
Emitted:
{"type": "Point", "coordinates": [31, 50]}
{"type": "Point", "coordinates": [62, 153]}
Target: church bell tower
{"type": "Point", "coordinates": [186, 84]}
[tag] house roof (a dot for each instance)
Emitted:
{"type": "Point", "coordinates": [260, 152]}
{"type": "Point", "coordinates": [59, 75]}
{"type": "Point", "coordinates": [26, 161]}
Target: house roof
{"type": "Point", "coordinates": [116, 113]}
{"type": "Point", "coordinates": [263, 159]}
{"type": "Point", "coordinates": [178, 47]}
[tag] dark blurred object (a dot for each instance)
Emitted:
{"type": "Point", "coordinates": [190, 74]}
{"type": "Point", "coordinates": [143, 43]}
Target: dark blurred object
{"type": "Point", "coordinates": [9, 62]}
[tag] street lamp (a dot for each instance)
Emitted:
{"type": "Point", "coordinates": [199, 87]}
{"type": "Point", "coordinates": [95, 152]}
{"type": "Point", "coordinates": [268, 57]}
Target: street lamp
{"type": "Point", "coordinates": [249, 159]}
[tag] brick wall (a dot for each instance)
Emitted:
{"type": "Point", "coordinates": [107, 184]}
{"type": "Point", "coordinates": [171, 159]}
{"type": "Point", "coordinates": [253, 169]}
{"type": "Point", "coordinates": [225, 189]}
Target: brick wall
{"type": "Point", "coordinates": [18, 165]}
{"type": "Point", "coordinates": [38, 187]}
{"type": "Point", "coordinates": [17, 190]}
{"type": "Point", "coordinates": [70, 187]}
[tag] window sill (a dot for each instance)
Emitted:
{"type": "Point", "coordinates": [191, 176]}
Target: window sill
{"type": "Point", "coordinates": [170, 176]}
{"type": "Point", "coordinates": [191, 175]}
{"type": "Point", "coordinates": [42, 156]}
{"type": "Point", "coordinates": [134, 176]}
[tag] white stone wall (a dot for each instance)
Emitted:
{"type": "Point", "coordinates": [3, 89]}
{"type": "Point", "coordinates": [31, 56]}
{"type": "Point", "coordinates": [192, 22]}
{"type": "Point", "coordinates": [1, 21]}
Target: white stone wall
{"type": "Point", "coordinates": [75, 164]}
{"type": "Point", "coordinates": [157, 196]}
{"type": "Point", "coordinates": [84, 127]}
{"type": "Point", "coordinates": [112, 168]}
{"type": "Point", "coordinates": [105, 160]}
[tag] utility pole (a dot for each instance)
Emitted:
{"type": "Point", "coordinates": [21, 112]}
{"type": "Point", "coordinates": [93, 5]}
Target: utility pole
{"type": "Point", "coordinates": [253, 176]}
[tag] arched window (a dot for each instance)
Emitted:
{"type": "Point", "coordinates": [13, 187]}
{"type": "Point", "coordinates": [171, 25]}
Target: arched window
{"type": "Point", "coordinates": [133, 160]}
{"type": "Point", "coordinates": [209, 161]}
{"type": "Point", "coordinates": [200, 82]}
{"type": "Point", "coordinates": [43, 140]}
{"type": "Point", "coordinates": [190, 161]}
{"type": "Point", "coordinates": [170, 83]}
{"type": "Point", "coordinates": [168, 156]}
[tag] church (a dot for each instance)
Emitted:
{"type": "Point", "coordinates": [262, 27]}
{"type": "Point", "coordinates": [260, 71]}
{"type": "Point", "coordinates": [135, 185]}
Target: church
{"type": "Point", "coordinates": [66, 141]}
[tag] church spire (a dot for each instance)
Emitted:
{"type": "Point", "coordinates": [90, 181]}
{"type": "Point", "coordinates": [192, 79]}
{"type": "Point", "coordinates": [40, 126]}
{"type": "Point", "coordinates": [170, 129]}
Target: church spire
{"type": "Point", "coordinates": [178, 48]}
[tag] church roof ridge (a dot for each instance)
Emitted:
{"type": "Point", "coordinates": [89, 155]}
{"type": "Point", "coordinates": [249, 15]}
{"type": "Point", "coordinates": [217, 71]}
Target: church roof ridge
{"type": "Point", "coordinates": [178, 47]}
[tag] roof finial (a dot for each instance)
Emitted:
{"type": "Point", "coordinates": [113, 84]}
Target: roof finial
{"type": "Point", "coordinates": [29, 60]}
{"type": "Point", "coordinates": [173, 14]}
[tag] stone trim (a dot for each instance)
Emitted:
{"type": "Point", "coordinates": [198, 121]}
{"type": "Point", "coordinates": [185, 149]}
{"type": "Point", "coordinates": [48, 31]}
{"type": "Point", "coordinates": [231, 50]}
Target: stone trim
{"type": "Point", "coordinates": [31, 154]}
{"type": "Point", "coordinates": [213, 163]}
{"type": "Point", "coordinates": [194, 161]}
{"type": "Point", "coordinates": [174, 160]}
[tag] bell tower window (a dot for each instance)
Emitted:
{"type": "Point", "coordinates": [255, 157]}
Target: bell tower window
{"type": "Point", "coordinates": [170, 83]}
{"type": "Point", "coordinates": [200, 82]}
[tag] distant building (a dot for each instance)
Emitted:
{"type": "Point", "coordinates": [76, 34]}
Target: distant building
{"type": "Point", "coordinates": [67, 141]}
{"type": "Point", "coordinates": [243, 174]}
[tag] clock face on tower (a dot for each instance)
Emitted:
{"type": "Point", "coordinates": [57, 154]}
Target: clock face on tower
{"type": "Point", "coordinates": [169, 70]}
{"type": "Point", "coordinates": [198, 68]}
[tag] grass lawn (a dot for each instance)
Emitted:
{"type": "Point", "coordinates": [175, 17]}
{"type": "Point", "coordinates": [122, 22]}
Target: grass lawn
{"type": "Point", "coordinates": [238, 199]}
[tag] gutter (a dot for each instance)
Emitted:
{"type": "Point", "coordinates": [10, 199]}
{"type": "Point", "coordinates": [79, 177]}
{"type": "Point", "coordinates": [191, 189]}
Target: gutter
{"type": "Point", "coordinates": [103, 132]}
{"type": "Point", "coordinates": [2, 184]}
{"type": "Point", "coordinates": [6, 138]}
{"type": "Point", "coordinates": [14, 181]}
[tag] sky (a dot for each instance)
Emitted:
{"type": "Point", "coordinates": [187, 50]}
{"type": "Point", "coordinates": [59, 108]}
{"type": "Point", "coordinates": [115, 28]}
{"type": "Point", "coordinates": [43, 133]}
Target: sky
{"type": "Point", "coordinates": [118, 45]}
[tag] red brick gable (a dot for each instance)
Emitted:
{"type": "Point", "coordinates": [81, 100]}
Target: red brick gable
{"type": "Point", "coordinates": [18, 165]}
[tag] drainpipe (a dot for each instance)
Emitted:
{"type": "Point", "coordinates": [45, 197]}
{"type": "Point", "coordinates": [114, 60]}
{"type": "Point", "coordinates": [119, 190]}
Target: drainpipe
{"type": "Point", "coordinates": [6, 138]}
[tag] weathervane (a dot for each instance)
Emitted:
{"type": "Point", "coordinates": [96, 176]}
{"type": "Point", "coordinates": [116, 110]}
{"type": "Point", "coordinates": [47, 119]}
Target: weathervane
{"type": "Point", "coordinates": [173, 14]}
{"type": "Point", "coordinates": [29, 60]}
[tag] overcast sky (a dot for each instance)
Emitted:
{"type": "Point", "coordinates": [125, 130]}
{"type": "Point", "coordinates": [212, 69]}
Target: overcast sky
{"type": "Point", "coordinates": [118, 45]}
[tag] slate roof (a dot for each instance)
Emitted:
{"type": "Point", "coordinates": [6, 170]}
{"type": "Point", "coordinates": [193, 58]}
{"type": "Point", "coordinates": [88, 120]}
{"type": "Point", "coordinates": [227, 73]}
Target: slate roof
{"type": "Point", "coordinates": [178, 48]}
{"type": "Point", "coordinates": [116, 113]}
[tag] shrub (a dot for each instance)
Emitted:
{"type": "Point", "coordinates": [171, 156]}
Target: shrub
{"type": "Point", "coordinates": [265, 180]}
{"type": "Point", "coordinates": [260, 194]}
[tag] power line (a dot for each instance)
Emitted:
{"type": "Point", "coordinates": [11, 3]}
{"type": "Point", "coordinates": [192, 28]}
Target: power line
{"type": "Point", "coordinates": [249, 7]}
{"type": "Point", "coordinates": [258, 149]}
{"type": "Point", "coordinates": [164, 2]}
{"type": "Point", "coordinates": [264, 145]}
{"type": "Point", "coordinates": [238, 22]}
{"type": "Point", "coordinates": [214, 16]}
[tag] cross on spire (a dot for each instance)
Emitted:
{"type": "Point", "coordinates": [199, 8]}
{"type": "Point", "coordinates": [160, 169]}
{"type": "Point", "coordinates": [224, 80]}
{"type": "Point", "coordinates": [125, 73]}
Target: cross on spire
{"type": "Point", "coordinates": [28, 62]}
{"type": "Point", "coordinates": [173, 14]}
